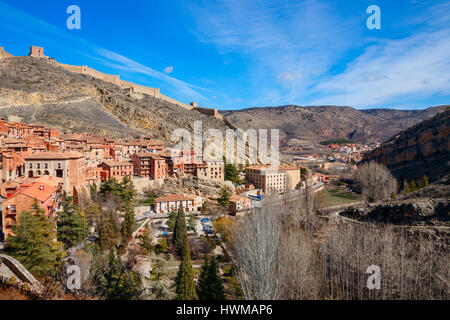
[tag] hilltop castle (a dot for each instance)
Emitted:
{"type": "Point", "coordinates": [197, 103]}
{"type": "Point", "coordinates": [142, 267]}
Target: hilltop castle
{"type": "Point", "coordinates": [38, 52]}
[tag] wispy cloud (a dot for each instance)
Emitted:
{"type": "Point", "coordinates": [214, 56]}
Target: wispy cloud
{"type": "Point", "coordinates": [168, 69]}
{"type": "Point", "coordinates": [392, 71]}
{"type": "Point", "coordinates": [289, 43]}
{"type": "Point", "coordinates": [22, 23]}
{"type": "Point", "coordinates": [307, 52]}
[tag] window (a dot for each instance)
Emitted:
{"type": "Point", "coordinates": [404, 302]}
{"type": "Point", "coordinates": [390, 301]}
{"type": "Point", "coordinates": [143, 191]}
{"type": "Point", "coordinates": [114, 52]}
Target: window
{"type": "Point", "coordinates": [59, 165]}
{"type": "Point", "coordinates": [13, 208]}
{"type": "Point", "coordinates": [38, 165]}
{"type": "Point", "coordinates": [31, 166]}
{"type": "Point", "coordinates": [46, 166]}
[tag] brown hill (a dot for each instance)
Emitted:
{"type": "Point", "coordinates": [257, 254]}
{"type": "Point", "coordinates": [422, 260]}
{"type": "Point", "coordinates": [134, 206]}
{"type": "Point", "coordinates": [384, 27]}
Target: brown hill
{"type": "Point", "coordinates": [34, 90]}
{"type": "Point", "coordinates": [330, 122]}
{"type": "Point", "coordinates": [423, 149]}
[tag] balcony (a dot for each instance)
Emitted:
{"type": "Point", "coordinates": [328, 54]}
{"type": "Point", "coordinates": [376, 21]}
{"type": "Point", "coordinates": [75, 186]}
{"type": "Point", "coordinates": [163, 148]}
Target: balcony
{"type": "Point", "coordinates": [10, 213]}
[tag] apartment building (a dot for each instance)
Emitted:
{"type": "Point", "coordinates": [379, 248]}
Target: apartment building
{"type": "Point", "coordinates": [293, 176]}
{"type": "Point", "coordinates": [70, 166]}
{"type": "Point", "coordinates": [142, 146]}
{"type": "Point", "coordinates": [266, 178]}
{"type": "Point", "coordinates": [47, 196]}
{"type": "Point", "coordinates": [149, 165]}
{"type": "Point", "coordinates": [239, 203]}
{"type": "Point", "coordinates": [13, 166]}
{"type": "Point", "coordinates": [116, 169]}
{"type": "Point", "coordinates": [214, 170]}
{"type": "Point", "coordinates": [172, 202]}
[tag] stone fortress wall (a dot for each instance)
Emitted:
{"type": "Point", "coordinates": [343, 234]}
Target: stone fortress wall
{"type": "Point", "coordinates": [38, 52]}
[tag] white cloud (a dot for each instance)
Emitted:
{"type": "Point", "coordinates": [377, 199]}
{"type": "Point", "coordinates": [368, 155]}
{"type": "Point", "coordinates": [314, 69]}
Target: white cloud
{"type": "Point", "coordinates": [168, 69]}
{"type": "Point", "coordinates": [286, 44]}
{"type": "Point", "coordinates": [392, 71]}
{"type": "Point", "coordinates": [20, 22]}
{"type": "Point", "coordinates": [281, 40]}
{"type": "Point", "coordinates": [289, 76]}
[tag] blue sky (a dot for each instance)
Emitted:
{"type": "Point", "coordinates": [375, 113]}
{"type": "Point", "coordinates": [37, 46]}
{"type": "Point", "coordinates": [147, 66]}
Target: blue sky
{"type": "Point", "coordinates": [235, 54]}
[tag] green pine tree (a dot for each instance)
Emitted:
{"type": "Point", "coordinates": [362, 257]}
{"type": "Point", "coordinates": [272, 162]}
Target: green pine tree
{"type": "Point", "coordinates": [161, 246]}
{"type": "Point", "coordinates": [172, 219]}
{"type": "Point", "coordinates": [216, 291]}
{"type": "Point", "coordinates": [224, 199]}
{"type": "Point", "coordinates": [72, 226]}
{"type": "Point", "coordinates": [108, 231]}
{"type": "Point", "coordinates": [180, 233]}
{"type": "Point", "coordinates": [203, 286]}
{"type": "Point", "coordinates": [121, 284]}
{"type": "Point", "coordinates": [210, 283]}
{"type": "Point", "coordinates": [34, 243]}
{"type": "Point", "coordinates": [127, 224]}
{"type": "Point", "coordinates": [185, 285]}
{"type": "Point", "coordinates": [127, 190]}
{"type": "Point", "coordinates": [231, 173]}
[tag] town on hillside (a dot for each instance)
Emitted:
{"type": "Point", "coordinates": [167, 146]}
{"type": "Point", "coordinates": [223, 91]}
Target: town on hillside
{"type": "Point", "coordinates": [222, 156]}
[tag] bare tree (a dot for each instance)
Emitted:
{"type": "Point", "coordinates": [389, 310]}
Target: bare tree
{"type": "Point", "coordinates": [285, 251]}
{"type": "Point", "coordinates": [257, 240]}
{"type": "Point", "coordinates": [375, 181]}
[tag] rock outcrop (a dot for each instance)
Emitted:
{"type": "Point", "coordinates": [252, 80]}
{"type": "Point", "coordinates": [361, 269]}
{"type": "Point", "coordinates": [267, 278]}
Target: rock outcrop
{"type": "Point", "coordinates": [429, 206]}
{"type": "Point", "coordinates": [13, 268]}
{"type": "Point", "coordinates": [205, 187]}
{"type": "Point", "coordinates": [420, 150]}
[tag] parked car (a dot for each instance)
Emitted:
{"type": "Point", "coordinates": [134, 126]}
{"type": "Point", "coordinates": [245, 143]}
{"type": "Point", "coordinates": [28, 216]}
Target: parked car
{"type": "Point", "coordinates": [205, 220]}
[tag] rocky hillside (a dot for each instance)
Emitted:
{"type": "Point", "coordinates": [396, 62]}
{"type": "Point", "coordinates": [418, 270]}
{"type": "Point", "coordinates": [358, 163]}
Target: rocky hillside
{"type": "Point", "coordinates": [423, 149]}
{"type": "Point", "coordinates": [36, 91]}
{"type": "Point", "coordinates": [328, 122]}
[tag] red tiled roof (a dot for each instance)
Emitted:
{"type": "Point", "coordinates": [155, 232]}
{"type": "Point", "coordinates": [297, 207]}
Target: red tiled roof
{"type": "Point", "coordinates": [35, 191]}
{"type": "Point", "coordinates": [175, 197]}
{"type": "Point", "coordinates": [55, 155]}
{"type": "Point", "coordinates": [116, 163]}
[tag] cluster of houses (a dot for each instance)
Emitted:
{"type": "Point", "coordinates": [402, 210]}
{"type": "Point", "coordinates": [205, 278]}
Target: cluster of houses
{"type": "Point", "coordinates": [40, 163]}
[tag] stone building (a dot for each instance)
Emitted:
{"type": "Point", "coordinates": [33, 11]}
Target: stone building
{"type": "Point", "coordinates": [266, 178]}
{"type": "Point", "coordinates": [214, 170]}
{"type": "Point", "coordinates": [70, 166]}
{"type": "Point", "coordinates": [116, 169]}
{"type": "Point", "coordinates": [47, 196]}
{"type": "Point", "coordinates": [36, 52]}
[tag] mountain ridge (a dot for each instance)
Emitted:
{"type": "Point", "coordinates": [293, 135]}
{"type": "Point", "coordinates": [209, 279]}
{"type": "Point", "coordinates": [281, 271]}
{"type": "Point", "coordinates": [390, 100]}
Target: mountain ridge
{"type": "Point", "coordinates": [328, 122]}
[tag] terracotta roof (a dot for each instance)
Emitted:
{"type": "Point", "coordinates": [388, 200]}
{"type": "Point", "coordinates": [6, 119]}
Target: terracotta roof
{"type": "Point", "coordinates": [116, 163]}
{"type": "Point", "coordinates": [50, 180]}
{"type": "Point", "coordinates": [236, 198]}
{"type": "Point", "coordinates": [288, 167]}
{"type": "Point", "coordinates": [55, 155]}
{"type": "Point", "coordinates": [149, 155]}
{"type": "Point", "coordinates": [36, 192]}
{"type": "Point", "coordinates": [175, 197]}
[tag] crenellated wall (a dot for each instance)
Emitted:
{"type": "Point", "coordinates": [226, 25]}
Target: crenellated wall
{"type": "Point", "coordinates": [126, 85]}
